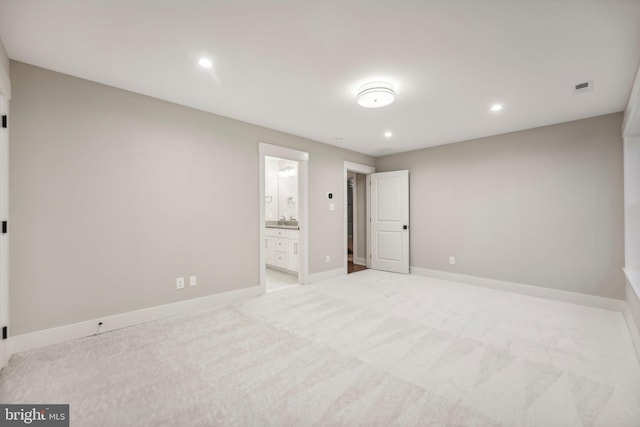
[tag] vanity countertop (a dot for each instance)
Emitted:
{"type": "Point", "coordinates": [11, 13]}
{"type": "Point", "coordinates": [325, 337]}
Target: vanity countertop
{"type": "Point", "coordinates": [274, 224]}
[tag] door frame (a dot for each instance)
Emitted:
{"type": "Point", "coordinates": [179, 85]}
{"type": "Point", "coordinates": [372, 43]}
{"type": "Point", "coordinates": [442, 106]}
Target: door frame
{"type": "Point", "coordinates": [365, 170]}
{"type": "Point", "coordinates": [302, 158]}
{"type": "Point", "coordinates": [5, 96]}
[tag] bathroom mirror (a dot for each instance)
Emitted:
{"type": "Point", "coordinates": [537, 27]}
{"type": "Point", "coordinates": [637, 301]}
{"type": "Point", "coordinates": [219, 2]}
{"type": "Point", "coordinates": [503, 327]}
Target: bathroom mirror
{"type": "Point", "coordinates": [281, 189]}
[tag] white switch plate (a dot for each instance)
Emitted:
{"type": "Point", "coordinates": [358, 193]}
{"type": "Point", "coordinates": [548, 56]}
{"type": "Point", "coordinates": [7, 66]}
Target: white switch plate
{"type": "Point", "coordinates": [327, 259]}
{"type": "Point", "coordinates": [452, 260]}
{"type": "Point", "coordinates": [332, 206]}
{"type": "Point", "coordinates": [180, 283]}
{"type": "Point", "coordinates": [192, 280]}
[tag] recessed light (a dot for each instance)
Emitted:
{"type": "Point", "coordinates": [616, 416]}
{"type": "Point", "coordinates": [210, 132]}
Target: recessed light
{"type": "Point", "coordinates": [496, 107]}
{"type": "Point", "coordinates": [388, 134]}
{"type": "Point", "coordinates": [205, 63]}
{"type": "Point", "coordinates": [376, 95]}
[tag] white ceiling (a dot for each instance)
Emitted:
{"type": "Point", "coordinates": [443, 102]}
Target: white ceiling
{"type": "Point", "coordinates": [296, 65]}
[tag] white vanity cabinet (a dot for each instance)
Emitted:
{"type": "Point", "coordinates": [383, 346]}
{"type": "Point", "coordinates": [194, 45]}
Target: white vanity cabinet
{"type": "Point", "coordinates": [293, 249]}
{"type": "Point", "coordinates": [282, 248]}
{"type": "Point", "coordinates": [270, 246]}
{"type": "Point", "coordinates": [272, 237]}
{"type": "Point", "coordinates": [281, 252]}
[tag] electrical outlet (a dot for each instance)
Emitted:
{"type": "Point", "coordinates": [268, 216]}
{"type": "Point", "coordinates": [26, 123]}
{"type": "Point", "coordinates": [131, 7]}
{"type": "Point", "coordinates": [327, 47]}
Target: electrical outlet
{"type": "Point", "coordinates": [192, 280]}
{"type": "Point", "coordinates": [180, 283]}
{"type": "Point", "coordinates": [452, 260]}
{"type": "Point", "coordinates": [327, 259]}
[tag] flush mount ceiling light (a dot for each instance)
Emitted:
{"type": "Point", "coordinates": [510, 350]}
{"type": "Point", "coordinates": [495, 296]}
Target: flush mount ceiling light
{"type": "Point", "coordinates": [388, 134]}
{"type": "Point", "coordinates": [205, 63]}
{"type": "Point", "coordinates": [376, 95]}
{"type": "Point", "coordinates": [496, 108]}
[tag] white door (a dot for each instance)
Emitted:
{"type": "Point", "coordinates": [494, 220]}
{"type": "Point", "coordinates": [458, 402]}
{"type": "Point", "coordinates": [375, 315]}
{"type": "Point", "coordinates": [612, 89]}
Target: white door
{"type": "Point", "coordinates": [390, 221]}
{"type": "Point", "coordinates": [4, 239]}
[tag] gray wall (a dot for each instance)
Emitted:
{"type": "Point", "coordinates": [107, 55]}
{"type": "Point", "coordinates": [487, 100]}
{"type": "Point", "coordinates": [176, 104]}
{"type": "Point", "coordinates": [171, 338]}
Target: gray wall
{"type": "Point", "coordinates": [540, 207]}
{"type": "Point", "coordinates": [115, 194]}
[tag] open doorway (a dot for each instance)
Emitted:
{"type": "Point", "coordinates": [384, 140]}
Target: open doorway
{"type": "Point", "coordinates": [282, 226]}
{"type": "Point", "coordinates": [356, 222]}
{"type": "Point", "coordinates": [283, 217]}
{"type": "Point", "coordinates": [356, 226]}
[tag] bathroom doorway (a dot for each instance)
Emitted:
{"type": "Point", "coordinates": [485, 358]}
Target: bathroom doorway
{"type": "Point", "coordinates": [282, 226]}
{"type": "Point", "coordinates": [283, 217]}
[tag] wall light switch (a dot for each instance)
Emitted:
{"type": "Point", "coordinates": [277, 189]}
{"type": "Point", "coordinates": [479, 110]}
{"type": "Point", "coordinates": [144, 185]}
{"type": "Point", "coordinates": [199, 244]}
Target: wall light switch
{"type": "Point", "coordinates": [332, 206]}
{"type": "Point", "coordinates": [327, 259]}
{"type": "Point", "coordinates": [180, 283]}
{"type": "Point", "coordinates": [192, 280]}
{"type": "Point", "coordinates": [452, 260]}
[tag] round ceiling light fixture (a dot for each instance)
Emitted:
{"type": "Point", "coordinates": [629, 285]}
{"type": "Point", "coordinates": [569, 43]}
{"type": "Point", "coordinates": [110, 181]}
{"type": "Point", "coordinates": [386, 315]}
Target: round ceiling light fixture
{"type": "Point", "coordinates": [496, 108]}
{"type": "Point", "coordinates": [376, 95]}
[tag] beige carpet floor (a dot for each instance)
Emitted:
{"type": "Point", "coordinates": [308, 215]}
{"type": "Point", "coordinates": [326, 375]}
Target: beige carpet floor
{"type": "Point", "coordinates": [367, 349]}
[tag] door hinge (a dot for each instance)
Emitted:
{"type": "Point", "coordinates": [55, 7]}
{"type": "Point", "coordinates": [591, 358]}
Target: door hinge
{"type": "Point", "coordinates": [4, 227]}
{"type": "Point", "coordinates": [4, 333]}
{"type": "Point", "coordinates": [4, 121]}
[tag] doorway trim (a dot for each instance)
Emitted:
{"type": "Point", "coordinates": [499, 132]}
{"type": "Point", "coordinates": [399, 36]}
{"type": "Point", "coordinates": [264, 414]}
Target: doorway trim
{"type": "Point", "coordinates": [5, 96]}
{"type": "Point", "coordinates": [362, 169]}
{"type": "Point", "coordinates": [302, 158]}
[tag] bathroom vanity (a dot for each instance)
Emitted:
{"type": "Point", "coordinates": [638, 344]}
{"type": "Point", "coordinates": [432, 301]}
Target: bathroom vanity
{"type": "Point", "coordinates": [281, 242]}
{"type": "Point", "coordinates": [281, 210]}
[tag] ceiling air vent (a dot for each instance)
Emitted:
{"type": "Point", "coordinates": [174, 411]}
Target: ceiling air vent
{"type": "Point", "coordinates": [583, 87]}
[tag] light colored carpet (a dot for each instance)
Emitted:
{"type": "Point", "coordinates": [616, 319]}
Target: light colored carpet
{"type": "Point", "coordinates": [367, 349]}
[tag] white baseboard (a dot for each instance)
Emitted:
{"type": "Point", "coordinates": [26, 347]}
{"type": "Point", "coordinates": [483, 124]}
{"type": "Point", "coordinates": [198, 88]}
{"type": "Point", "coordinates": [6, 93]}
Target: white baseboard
{"type": "Point", "coordinates": [87, 328]}
{"type": "Point", "coordinates": [633, 329]}
{"type": "Point", "coordinates": [535, 291]}
{"type": "Point", "coordinates": [325, 275]}
{"type": "Point", "coordinates": [359, 261]}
